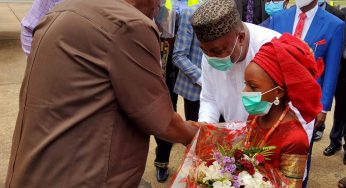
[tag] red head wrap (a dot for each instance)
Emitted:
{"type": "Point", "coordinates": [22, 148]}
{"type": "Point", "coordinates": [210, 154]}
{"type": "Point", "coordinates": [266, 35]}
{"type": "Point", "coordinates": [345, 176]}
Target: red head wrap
{"type": "Point", "coordinates": [291, 64]}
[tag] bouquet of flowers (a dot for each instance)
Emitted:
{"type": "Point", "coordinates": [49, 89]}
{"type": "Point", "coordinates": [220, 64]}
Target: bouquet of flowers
{"type": "Point", "coordinates": [217, 158]}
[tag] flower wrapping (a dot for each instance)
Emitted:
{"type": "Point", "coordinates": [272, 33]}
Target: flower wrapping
{"type": "Point", "coordinates": [217, 158]}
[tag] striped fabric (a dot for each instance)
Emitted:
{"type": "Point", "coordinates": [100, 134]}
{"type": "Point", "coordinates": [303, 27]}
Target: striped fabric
{"type": "Point", "coordinates": [39, 9]}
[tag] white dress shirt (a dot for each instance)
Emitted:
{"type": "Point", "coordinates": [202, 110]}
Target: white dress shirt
{"type": "Point", "coordinates": [309, 17]}
{"type": "Point", "coordinates": [221, 90]}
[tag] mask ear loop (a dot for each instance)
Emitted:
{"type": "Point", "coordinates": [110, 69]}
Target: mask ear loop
{"type": "Point", "coordinates": [241, 50]}
{"type": "Point", "coordinates": [276, 101]}
{"type": "Point", "coordinates": [271, 90]}
{"type": "Point", "coordinates": [236, 41]}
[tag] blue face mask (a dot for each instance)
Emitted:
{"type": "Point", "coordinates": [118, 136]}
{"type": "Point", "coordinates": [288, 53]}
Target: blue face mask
{"type": "Point", "coordinates": [223, 64]}
{"type": "Point", "coordinates": [272, 7]}
{"type": "Point", "coordinates": [253, 103]}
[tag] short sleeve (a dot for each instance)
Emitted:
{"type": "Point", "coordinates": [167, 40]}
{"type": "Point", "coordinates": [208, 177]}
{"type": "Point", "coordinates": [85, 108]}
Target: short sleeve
{"type": "Point", "coordinates": [294, 154]}
{"type": "Point", "coordinates": [297, 144]}
{"type": "Point", "coordinates": [136, 76]}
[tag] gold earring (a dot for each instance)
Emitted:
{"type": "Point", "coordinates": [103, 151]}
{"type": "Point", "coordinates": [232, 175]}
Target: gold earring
{"type": "Point", "coordinates": [277, 101]}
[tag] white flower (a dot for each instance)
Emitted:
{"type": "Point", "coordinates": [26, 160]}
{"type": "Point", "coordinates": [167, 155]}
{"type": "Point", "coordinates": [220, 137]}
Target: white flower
{"type": "Point", "coordinates": [246, 157]}
{"type": "Point", "coordinates": [255, 181]}
{"type": "Point", "coordinates": [222, 184]}
{"type": "Point", "coordinates": [213, 172]}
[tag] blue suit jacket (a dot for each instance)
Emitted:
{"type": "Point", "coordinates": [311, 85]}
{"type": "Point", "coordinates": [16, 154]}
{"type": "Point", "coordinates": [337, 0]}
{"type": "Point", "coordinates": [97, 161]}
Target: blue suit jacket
{"type": "Point", "coordinates": [324, 26]}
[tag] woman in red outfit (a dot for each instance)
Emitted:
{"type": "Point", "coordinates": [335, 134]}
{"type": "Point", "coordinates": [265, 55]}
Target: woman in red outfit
{"type": "Point", "coordinates": [283, 71]}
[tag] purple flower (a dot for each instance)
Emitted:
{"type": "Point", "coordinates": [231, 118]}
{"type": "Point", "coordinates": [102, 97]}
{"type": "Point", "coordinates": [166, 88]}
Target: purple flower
{"type": "Point", "coordinates": [233, 168]}
{"type": "Point", "coordinates": [218, 157]}
{"type": "Point", "coordinates": [232, 160]}
{"type": "Point", "coordinates": [230, 168]}
{"type": "Point", "coordinates": [227, 160]}
{"type": "Point", "coordinates": [236, 183]}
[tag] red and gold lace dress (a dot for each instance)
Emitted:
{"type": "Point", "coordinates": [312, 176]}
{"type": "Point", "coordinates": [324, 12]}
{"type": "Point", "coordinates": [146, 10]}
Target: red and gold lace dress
{"type": "Point", "coordinates": [292, 147]}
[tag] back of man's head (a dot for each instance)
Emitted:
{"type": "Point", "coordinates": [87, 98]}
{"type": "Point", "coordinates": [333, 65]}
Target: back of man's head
{"type": "Point", "coordinates": [148, 7]}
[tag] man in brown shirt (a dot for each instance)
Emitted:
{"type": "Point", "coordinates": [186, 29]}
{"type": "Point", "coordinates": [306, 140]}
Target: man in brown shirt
{"type": "Point", "coordinates": [93, 92]}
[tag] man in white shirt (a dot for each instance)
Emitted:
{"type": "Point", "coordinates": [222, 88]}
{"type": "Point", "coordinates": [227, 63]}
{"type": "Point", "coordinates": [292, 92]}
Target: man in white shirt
{"type": "Point", "coordinates": [228, 45]}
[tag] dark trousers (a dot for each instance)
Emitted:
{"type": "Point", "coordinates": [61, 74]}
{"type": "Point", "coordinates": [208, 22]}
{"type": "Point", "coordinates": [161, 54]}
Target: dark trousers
{"type": "Point", "coordinates": [339, 126]}
{"type": "Point", "coordinates": [163, 148]}
{"type": "Point", "coordinates": [308, 163]}
{"type": "Point", "coordinates": [191, 109]}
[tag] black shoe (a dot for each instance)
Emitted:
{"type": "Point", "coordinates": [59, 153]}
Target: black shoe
{"type": "Point", "coordinates": [331, 149]}
{"type": "Point", "coordinates": [318, 135]}
{"type": "Point", "coordinates": [161, 174]}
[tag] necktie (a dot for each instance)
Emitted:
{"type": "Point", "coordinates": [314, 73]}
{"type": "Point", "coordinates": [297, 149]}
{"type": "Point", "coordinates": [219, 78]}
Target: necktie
{"type": "Point", "coordinates": [300, 26]}
{"type": "Point", "coordinates": [249, 11]}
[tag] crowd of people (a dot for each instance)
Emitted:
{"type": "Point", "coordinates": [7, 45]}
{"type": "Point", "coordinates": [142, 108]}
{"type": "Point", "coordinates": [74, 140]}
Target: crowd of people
{"type": "Point", "coordinates": [102, 77]}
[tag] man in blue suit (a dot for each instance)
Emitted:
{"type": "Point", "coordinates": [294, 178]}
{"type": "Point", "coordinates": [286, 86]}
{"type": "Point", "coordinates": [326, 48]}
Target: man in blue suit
{"type": "Point", "coordinates": [324, 33]}
{"type": "Point", "coordinates": [338, 130]}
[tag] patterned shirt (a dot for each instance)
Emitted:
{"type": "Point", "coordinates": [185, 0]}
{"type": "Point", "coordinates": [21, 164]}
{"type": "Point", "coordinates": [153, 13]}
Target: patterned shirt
{"type": "Point", "coordinates": [187, 57]}
{"type": "Point", "coordinates": [39, 9]}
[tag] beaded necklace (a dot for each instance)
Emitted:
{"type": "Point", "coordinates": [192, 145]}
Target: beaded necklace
{"type": "Point", "coordinates": [252, 126]}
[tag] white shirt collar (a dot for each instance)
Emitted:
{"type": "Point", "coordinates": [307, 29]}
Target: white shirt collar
{"type": "Point", "coordinates": [309, 14]}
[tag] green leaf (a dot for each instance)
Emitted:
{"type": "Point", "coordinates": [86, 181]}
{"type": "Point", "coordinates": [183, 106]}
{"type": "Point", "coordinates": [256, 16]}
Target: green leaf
{"type": "Point", "coordinates": [221, 149]}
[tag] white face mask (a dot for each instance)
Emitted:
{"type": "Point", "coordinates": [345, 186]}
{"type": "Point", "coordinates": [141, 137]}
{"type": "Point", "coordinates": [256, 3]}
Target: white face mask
{"type": "Point", "coordinates": [303, 3]}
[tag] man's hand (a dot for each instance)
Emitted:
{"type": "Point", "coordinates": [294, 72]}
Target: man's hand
{"type": "Point", "coordinates": [320, 119]}
{"type": "Point", "coordinates": [196, 124]}
{"type": "Point", "coordinates": [179, 131]}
